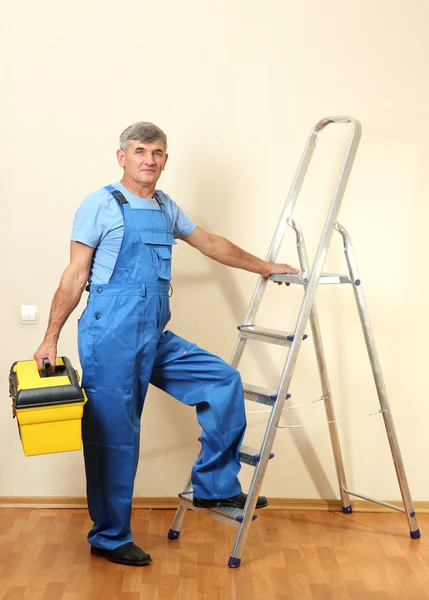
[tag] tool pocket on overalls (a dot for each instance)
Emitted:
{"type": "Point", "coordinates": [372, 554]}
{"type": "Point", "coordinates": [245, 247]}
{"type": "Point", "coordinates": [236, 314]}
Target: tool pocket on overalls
{"type": "Point", "coordinates": [164, 261]}
{"type": "Point", "coordinates": [160, 243]}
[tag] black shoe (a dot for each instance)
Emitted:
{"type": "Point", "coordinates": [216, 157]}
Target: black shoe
{"type": "Point", "coordinates": [127, 554]}
{"type": "Point", "coordinates": [236, 502]}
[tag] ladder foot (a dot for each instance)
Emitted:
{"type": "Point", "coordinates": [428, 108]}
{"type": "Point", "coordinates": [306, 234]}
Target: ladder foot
{"type": "Point", "coordinates": [233, 562]}
{"type": "Point", "coordinates": [347, 510]}
{"type": "Point", "coordinates": [173, 534]}
{"type": "Point", "coordinates": [415, 534]}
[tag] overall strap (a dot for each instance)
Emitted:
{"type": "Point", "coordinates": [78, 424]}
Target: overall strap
{"type": "Point", "coordinates": [121, 199]}
{"type": "Point", "coordinates": [116, 194]}
{"type": "Point", "coordinates": [158, 199]}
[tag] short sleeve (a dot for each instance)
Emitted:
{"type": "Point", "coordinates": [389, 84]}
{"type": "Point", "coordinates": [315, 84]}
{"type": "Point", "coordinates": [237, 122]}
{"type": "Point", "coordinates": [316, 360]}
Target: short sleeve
{"type": "Point", "coordinates": [93, 219]}
{"type": "Point", "coordinates": [182, 224]}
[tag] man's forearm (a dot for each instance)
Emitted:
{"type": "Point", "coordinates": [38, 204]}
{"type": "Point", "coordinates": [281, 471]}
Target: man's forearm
{"type": "Point", "coordinates": [65, 300]}
{"type": "Point", "coordinates": [229, 254]}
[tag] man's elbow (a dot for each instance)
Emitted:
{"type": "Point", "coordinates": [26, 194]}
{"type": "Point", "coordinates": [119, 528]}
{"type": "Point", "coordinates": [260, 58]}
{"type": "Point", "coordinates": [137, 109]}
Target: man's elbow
{"type": "Point", "coordinates": [210, 248]}
{"type": "Point", "coordinates": [75, 277]}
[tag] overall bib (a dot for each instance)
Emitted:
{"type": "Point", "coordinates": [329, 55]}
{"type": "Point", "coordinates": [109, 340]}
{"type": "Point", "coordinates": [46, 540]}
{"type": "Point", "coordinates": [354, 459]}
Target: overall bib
{"type": "Point", "coordinates": [123, 347]}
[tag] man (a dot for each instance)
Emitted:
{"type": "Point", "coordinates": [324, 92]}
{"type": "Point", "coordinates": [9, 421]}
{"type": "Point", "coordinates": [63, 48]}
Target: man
{"type": "Point", "coordinates": [121, 242]}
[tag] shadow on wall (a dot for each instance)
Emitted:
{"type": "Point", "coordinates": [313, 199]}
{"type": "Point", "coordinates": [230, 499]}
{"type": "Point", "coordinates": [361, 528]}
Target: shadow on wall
{"type": "Point", "coordinates": [212, 189]}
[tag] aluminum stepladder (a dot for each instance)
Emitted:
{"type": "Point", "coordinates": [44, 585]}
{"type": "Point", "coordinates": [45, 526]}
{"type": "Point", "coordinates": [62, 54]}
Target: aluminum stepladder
{"type": "Point", "coordinates": [309, 279]}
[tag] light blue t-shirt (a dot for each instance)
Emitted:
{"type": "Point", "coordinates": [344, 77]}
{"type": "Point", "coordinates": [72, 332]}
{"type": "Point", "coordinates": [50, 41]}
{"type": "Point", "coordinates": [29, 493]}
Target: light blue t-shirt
{"type": "Point", "coordinates": [99, 223]}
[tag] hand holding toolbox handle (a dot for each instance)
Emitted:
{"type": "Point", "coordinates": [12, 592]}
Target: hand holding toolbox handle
{"type": "Point", "coordinates": [65, 369]}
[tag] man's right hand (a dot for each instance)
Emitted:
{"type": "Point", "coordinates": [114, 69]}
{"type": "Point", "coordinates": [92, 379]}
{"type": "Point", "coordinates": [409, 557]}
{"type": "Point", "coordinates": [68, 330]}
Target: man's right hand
{"type": "Point", "coordinates": [46, 350]}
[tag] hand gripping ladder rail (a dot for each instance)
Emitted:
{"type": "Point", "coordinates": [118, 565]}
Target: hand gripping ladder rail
{"type": "Point", "coordinates": [276, 399]}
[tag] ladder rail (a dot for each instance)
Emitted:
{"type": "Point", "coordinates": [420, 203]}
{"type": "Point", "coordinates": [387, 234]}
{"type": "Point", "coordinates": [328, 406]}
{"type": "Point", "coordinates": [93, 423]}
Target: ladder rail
{"type": "Point", "coordinates": [318, 263]}
{"type": "Point", "coordinates": [379, 380]}
{"type": "Point", "coordinates": [306, 306]}
{"type": "Point", "coordinates": [181, 511]}
{"type": "Point", "coordinates": [324, 378]}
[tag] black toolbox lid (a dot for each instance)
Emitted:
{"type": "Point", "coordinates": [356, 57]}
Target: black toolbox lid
{"type": "Point", "coordinates": [51, 395]}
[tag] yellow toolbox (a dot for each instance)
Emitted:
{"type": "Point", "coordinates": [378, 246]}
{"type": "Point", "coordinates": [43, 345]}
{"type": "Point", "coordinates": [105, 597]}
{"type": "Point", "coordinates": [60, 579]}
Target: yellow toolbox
{"type": "Point", "coordinates": [48, 406]}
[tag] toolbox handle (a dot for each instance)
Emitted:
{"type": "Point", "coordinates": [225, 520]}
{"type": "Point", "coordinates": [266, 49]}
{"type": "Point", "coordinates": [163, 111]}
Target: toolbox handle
{"type": "Point", "coordinates": [46, 368]}
{"type": "Point", "coordinates": [47, 372]}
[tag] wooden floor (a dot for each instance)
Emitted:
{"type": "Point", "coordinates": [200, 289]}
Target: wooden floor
{"type": "Point", "coordinates": [290, 556]}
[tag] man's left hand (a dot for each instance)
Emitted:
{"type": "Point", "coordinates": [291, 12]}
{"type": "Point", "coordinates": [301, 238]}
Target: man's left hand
{"type": "Point", "coordinates": [279, 268]}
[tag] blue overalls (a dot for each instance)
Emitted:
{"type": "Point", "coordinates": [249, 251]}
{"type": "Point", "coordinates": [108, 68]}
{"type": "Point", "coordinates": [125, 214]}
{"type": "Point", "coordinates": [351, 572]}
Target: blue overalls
{"type": "Point", "coordinates": [123, 347]}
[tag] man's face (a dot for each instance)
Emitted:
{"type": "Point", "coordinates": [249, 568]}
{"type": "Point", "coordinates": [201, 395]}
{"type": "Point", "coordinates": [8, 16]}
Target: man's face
{"type": "Point", "coordinates": [143, 163]}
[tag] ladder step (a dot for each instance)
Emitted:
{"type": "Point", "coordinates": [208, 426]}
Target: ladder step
{"type": "Point", "coordinates": [260, 394]}
{"type": "Point", "coordinates": [251, 456]}
{"type": "Point", "coordinates": [248, 455]}
{"type": "Point", "coordinates": [262, 334]}
{"type": "Point", "coordinates": [302, 279]}
{"type": "Point", "coordinates": [225, 514]}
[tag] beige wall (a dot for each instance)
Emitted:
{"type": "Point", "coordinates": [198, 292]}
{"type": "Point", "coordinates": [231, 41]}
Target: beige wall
{"type": "Point", "coordinates": [237, 85]}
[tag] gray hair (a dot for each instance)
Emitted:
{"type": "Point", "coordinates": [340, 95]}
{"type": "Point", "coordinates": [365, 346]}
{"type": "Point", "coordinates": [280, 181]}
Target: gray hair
{"type": "Point", "coordinates": [144, 132]}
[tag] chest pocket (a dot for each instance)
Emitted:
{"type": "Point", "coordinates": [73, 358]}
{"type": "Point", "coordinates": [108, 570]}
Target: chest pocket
{"type": "Point", "coordinates": [160, 243]}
